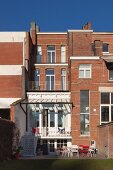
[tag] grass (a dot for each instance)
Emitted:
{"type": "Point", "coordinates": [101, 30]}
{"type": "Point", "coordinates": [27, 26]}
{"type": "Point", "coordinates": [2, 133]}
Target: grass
{"type": "Point", "coordinates": [57, 164]}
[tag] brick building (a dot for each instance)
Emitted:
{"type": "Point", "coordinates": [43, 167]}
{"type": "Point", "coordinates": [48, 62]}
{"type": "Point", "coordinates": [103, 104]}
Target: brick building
{"type": "Point", "coordinates": [64, 83]}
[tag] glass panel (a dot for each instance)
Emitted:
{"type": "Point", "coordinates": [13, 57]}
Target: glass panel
{"type": "Point", "coordinates": [63, 79]}
{"type": "Point", "coordinates": [105, 47]}
{"type": "Point", "coordinates": [105, 99]}
{"type": "Point", "coordinates": [104, 113]}
{"type": "Point", "coordinates": [63, 54]}
{"type": "Point", "coordinates": [51, 47]}
{"type": "Point", "coordinates": [52, 83]}
{"type": "Point", "coordinates": [52, 149]}
{"type": "Point", "coordinates": [48, 83]}
{"type": "Point", "coordinates": [111, 98]}
{"type": "Point", "coordinates": [84, 124]}
{"type": "Point", "coordinates": [39, 54]}
{"type": "Point", "coordinates": [60, 119]}
{"type": "Point", "coordinates": [53, 57]}
{"type": "Point", "coordinates": [110, 74]}
{"type": "Point", "coordinates": [52, 119]}
{"type": "Point", "coordinates": [87, 74]}
{"type": "Point", "coordinates": [84, 101]}
{"type": "Point", "coordinates": [81, 73]}
{"type": "Point", "coordinates": [49, 72]}
{"type": "Point", "coordinates": [49, 57]}
{"type": "Point", "coordinates": [35, 119]}
{"type": "Point", "coordinates": [111, 113]}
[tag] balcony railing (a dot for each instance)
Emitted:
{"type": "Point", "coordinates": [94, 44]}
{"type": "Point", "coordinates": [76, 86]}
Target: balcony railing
{"type": "Point", "coordinates": [53, 132]}
{"type": "Point", "coordinates": [46, 86]}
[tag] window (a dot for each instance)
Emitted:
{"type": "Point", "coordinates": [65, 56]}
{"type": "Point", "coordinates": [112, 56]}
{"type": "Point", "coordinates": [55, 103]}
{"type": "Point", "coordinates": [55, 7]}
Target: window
{"type": "Point", "coordinates": [106, 107]}
{"type": "Point", "coordinates": [105, 47]}
{"type": "Point", "coordinates": [63, 54]}
{"type": "Point", "coordinates": [39, 54]}
{"type": "Point", "coordinates": [50, 79]}
{"type": "Point", "coordinates": [111, 75]}
{"type": "Point", "coordinates": [52, 118]}
{"type": "Point", "coordinates": [60, 119]}
{"type": "Point", "coordinates": [85, 71]}
{"type": "Point", "coordinates": [37, 79]}
{"type": "Point", "coordinates": [51, 54]}
{"type": "Point", "coordinates": [35, 119]}
{"type": "Point", "coordinates": [63, 79]}
{"type": "Point", "coordinates": [84, 112]}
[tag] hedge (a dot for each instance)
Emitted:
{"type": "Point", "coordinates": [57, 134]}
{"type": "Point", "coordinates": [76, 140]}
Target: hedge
{"type": "Point", "coordinates": [6, 138]}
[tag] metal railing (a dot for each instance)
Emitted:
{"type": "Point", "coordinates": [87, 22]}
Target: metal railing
{"type": "Point", "coordinates": [46, 86]}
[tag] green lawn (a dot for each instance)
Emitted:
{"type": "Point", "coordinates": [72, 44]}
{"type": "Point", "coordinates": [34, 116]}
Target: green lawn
{"type": "Point", "coordinates": [57, 164]}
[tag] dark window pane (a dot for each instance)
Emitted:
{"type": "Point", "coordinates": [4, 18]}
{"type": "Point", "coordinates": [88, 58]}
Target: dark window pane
{"type": "Point", "coordinates": [104, 113]}
{"type": "Point", "coordinates": [111, 98]}
{"type": "Point", "coordinates": [105, 47]}
{"type": "Point", "coordinates": [111, 113]}
{"type": "Point", "coordinates": [110, 74]}
{"type": "Point", "coordinates": [84, 124]}
{"type": "Point", "coordinates": [84, 101]}
{"type": "Point", "coordinates": [105, 99]}
{"type": "Point", "coordinates": [49, 72]}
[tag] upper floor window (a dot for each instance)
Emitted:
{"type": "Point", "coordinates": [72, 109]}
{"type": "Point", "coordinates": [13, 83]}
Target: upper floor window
{"type": "Point", "coordinates": [39, 54]}
{"type": "Point", "coordinates": [106, 107]}
{"type": "Point", "coordinates": [85, 71]}
{"type": "Point", "coordinates": [50, 79]}
{"type": "Point", "coordinates": [63, 54]}
{"type": "Point", "coordinates": [37, 79]}
{"type": "Point", "coordinates": [110, 75]}
{"type": "Point", "coordinates": [105, 47]}
{"type": "Point", "coordinates": [63, 79]}
{"type": "Point", "coordinates": [51, 54]}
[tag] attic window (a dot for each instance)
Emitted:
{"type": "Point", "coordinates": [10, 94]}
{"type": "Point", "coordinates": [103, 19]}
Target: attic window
{"type": "Point", "coordinates": [105, 47]}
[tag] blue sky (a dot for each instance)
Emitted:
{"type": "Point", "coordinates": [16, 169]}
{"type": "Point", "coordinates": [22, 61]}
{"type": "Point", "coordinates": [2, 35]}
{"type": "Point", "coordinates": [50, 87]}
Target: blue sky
{"type": "Point", "coordinates": [56, 15]}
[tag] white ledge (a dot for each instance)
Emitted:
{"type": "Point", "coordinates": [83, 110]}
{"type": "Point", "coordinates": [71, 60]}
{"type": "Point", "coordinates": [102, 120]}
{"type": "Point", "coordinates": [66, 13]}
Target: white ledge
{"type": "Point", "coordinates": [84, 57]}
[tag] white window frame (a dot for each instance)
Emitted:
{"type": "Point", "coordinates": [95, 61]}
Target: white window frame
{"type": "Point", "coordinates": [84, 69]}
{"type": "Point", "coordinates": [51, 54]}
{"type": "Point", "coordinates": [63, 79]}
{"type": "Point", "coordinates": [50, 82]}
{"type": "Point", "coordinates": [108, 105]}
{"type": "Point", "coordinates": [63, 54]}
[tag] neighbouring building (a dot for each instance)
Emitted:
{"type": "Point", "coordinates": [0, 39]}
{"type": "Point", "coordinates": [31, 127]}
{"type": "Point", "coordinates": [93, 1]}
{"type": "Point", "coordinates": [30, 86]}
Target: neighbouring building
{"type": "Point", "coordinates": [60, 83]}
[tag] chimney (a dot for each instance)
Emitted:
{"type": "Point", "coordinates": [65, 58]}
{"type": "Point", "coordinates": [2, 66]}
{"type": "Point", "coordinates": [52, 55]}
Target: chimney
{"type": "Point", "coordinates": [33, 32]}
{"type": "Point", "coordinates": [87, 26]}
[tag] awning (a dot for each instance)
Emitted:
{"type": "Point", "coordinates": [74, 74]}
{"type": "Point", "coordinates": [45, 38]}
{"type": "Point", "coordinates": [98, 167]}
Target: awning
{"type": "Point", "coordinates": [47, 101]}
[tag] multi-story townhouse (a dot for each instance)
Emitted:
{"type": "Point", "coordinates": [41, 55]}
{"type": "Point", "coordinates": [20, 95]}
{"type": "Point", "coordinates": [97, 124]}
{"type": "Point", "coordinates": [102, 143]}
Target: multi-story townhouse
{"type": "Point", "coordinates": [68, 88]}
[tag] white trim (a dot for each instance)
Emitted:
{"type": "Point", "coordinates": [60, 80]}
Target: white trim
{"type": "Point", "coordinates": [106, 89]}
{"type": "Point", "coordinates": [10, 69]}
{"type": "Point", "coordinates": [47, 33]}
{"type": "Point", "coordinates": [80, 30]}
{"type": "Point", "coordinates": [6, 102]}
{"type": "Point", "coordinates": [84, 57]}
{"type": "Point", "coordinates": [51, 64]}
{"type": "Point", "coordinates": [12, 36]}
{"type": "Point", "coordinates": [103, 33]}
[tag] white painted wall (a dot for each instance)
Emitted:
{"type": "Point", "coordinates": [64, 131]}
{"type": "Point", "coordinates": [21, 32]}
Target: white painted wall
{"type": "Point", "coordinates": [12, 36]}
{"type": "Point", "coordinates": [20, 119]}
{"type": "Point", "coordinates": [10, 69]}
{"type": "Point", "coordinates": [6, 102]}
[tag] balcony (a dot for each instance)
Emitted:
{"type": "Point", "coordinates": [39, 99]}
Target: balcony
{"type": "Point", "coordinates": [53, 132]}
{"type": "Point", "coordinates": [47, 86]}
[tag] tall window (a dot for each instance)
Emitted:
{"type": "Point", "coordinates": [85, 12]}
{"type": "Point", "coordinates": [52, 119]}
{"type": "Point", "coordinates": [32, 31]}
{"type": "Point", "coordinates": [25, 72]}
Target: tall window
{"type": "Point", "coordinates": [50, 79]}
{"type": "Point", "coordinates": [105, 47]}
{"type": "Point", "coordinates": [39, 54]}
{"type": "Point", "coordinates": [35, 119]}
{"type": "Point", "coordinates": [63, 79]}
{"type": "Point", "coordinates": [85, 71]}
{"type": "Point", "coordinates": [60, 119]}
{"type": "Point", "coordinates": [106, 107]}
{"type": "Point", "coordinates": [63, 54]}
{"type": "Point", "coordinates": [84, 112]}
{"type": "Point", "coordinates": [37, 79]}
{"type": "Point", "coordinates": [110, 75]}
{"type": "Point", "coordinates": [52, 118]}
{"type": "Point", "coordinates": [51, 54]}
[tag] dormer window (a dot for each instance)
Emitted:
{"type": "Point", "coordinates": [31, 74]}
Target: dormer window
{"type": "Point", "coordinates": [105, 48]}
